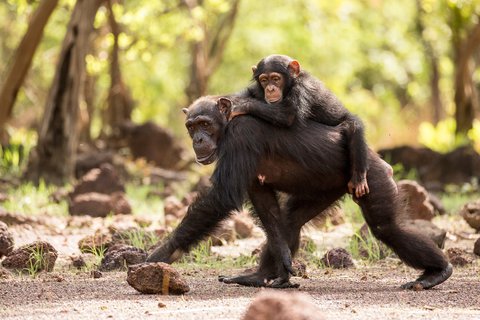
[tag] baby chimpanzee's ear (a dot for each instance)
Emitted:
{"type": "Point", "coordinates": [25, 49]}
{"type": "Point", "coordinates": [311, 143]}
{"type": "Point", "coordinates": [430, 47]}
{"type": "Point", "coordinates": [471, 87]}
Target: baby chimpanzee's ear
{"type": "Point", "coordinates": [225, 106]}
{"type": "Point", "coordinates": [185, 110]}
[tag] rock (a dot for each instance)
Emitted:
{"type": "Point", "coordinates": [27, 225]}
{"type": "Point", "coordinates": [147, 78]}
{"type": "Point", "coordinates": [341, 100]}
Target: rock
{"type": "Point", "coordinates": [78, 262]}
{"type": "Point", "coordinates": [40, 253]}
{"type": "Point", "coordinates": [102, 180]}
{"type": "Point", "coordinates": [96, 274]}
{"type": "Point", "coordinates": [333, 214]}
{"type": "Point", "coordinates": [337, 258]}
{"type": "Point", "coordinates": [15, 218]}
{"type": "Point", "coordinates": [156, 278]}
{"type": "Point", "coordinates": [300, 269]}
{"type": "Point", "coordinates": [471, 213]}
{"type": "Point", "coordinates": [243, 224]}
{"type": "Point", "coordinates": [459, 257]}
{"type": "Point", "coordinates": [430, 230]}
{"type": "Point", "coordinates": [120, 256]}
{"type": "Point", "coordinates": [6, 240]}
{"type": "Point", "coordinates": [98, 241]}
{"type": "Point", "coordinates": [87, 161]}
{"type": "Point", "coordinates": [155, 144]}
{"type": "Point", "coordinates": [279, 305]}
{"type": "Point", "coordinates": [476, 247]}
{"type": "Point", "coordinates": [99, 205]}
{"type": "Point", "coordinates": [417, 200]}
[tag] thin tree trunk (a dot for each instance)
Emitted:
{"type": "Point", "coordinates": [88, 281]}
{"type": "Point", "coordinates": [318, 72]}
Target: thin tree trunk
{"type": "Point", "coordinates": [120, 102]}
{"type": "Point", "coordinates": [432, 60]}
{"type": "Point", "coordinates": [207, 53]}
{"type": "Point", "coordinates": [23, 58]}
{"type": "Point", "coordinates": [53, 159]}
{"type": "Point", "coordinates": [466, 96]}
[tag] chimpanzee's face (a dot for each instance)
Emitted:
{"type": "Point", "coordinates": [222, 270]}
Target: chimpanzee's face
{"type": "Point", "coordinates": [273, 84]}
{"type": "Point", "coordinates": [205, 122]}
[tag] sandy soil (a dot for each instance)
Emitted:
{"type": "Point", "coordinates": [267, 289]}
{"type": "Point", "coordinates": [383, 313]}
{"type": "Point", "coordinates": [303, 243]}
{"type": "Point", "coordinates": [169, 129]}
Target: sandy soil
{"type": "Point", "coordinates": [365, 292]}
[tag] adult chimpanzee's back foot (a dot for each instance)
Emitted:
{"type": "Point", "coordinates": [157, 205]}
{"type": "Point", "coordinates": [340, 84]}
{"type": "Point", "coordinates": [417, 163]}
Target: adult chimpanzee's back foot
{"type": "Point", "coordinates": [430, 278]}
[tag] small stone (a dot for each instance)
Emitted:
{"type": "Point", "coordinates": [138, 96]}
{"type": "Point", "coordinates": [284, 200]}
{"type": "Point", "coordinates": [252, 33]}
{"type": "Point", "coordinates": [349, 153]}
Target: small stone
{"type": "Point", "coordinates": [459, 257]}
{"type": "Point", "coordinates": [78, 262]}
{"type": "Point", "coordinates": [337, 258]}
{"type": "Point", "coordinates": [161, 305]}
{"type": "Point", "coordinates": [476, 247]}
{"type": "Point", "coordinates": [156, 278]}
{"type": "Point", "coordinates": [471, 213]}
{"type": "Point", "coordinates": [40, 253]}
{"type": "Point", "coordinates": [6, 240]}
{"type": "Point", "coordinates": [224, 233]}
{"type": "Point", "coordinates": [270, 304]}
{"type": "Point", "coordinates": [121, 256]}
{"type": "Point", "coordinates": [243, 225]}
{"type": "Point", "coordinates": [96, 274]}
{"type": "Point", "coordinates": [93, 243]}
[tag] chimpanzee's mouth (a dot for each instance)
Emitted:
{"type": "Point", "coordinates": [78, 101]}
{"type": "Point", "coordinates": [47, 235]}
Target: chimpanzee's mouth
{"type": "Point", "coordinates": [207, 159]}
{"type": "Point", "coordinates": [273, 100]}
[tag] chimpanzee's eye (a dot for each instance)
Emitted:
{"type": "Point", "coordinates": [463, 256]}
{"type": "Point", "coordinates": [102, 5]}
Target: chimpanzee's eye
{"type": "Point", "coordinates": [205, 124]}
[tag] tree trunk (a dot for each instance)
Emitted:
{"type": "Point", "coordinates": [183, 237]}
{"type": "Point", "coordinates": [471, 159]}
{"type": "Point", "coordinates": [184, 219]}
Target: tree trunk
{"type": "Point", "coordinates": [120, 102]}
{"type": "Point", "coordinates": [53, 159]}
{"type": "Point", "coordinates": [432, 59]}
{"type": "Point", "coordinates": [23, 58]}
{"type": "Point", "coordinates": [207, 53]}
{"type": "Point", "coordinates": [466, 96]}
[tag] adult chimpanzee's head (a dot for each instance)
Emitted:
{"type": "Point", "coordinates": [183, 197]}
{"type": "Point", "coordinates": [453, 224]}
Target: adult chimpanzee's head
{"type": "Point", "coordinates": [205, 122]}
{"type": "Point", "coordinates": [275, 76]}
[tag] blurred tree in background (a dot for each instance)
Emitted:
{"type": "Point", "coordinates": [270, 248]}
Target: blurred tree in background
{"type": "Point", "coordinates": [410, 69]}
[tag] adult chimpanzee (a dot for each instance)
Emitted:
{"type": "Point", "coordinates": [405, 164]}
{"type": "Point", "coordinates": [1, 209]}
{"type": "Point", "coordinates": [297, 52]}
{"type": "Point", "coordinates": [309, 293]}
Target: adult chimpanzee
{"type": "Point", "coordinates": [291, 93]}
{"type": "Point", "coordinates": [310, 163]}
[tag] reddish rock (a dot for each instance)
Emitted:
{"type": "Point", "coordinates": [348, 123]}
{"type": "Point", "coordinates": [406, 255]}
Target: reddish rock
{"type": "Point", "coordinates": [476, 247]}
{"type": "Point", "coordinates": [6, 240]}
{"type": "Point", "coordinates": [99, 205]}
{"type": "Point", "coordinates": [156, 278]}
{"type": "Point", "coordinates": [15, 218]}
{"type": "Point", "coordinates": [337, 258]}
{"type": "Point", "coordinates": [155, 144]}
{"type": "Point", "coordinates": [120, 256]}
{"type": "Point", "coordinates": [279, 305]}
{"type": "Point", "coordinates": [333, 214]}
{"type": "Point", "coordinates": [103, 180]}
{"type": "Point", "coordinates": [98, 241]}
{"type": "Point", "coordinates": [224, 233]}
{"type": "Point", "coordinates": [78, 262]}
{"type": "Point", "coordinates": [416, 199]}
{"type": "Point", "coordinates": [25, 256]}
{"type": "Point", "coordinates": [471, 213]}
{"type": "Point", "coordinates": [459, 257]}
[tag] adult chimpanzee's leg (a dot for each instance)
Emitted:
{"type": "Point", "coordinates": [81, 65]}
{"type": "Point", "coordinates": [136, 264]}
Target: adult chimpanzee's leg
{"type": "Point", "coordinates": [382, 211]}
{"type": "Point", "coordinates": [276, 259]}
{"type": "Point", "coordinates": [203, 215]}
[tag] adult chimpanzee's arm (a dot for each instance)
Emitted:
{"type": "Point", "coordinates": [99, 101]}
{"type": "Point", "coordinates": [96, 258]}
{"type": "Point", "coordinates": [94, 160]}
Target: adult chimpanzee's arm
{"type": "Point", "coordinates": [250, 101]}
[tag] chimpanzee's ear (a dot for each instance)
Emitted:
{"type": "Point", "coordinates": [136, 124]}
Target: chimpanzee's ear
{"type": "Point", "coordinates": [225, 106]}
{"type": "Point", "coordinates": [294, 68]}
{"type": "Point", "coordinates": [254, 69]}
{"type": "Point", "coordinates": [185, 110]}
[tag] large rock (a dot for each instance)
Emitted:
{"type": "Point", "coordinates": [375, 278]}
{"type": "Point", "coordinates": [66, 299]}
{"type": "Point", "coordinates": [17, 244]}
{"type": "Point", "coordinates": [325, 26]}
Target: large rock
{"type": "Point", "coordinates": [6, 240]}
{"type": "Point", "coordinates": [100, 180]}
{"type": "Point", "coordinates": [459, 257]}
{"type": "Point", "coordinates": [337, 258]}
{"type": "Point", "coordinates": [41, 254]}
{"type": "Point", "coordinates": [476, 247]}
{"type": "Point", "coordinates": [120, 256]}
{"type": "Point", "coordinates": [156, 278]}
{"type": "Point", "coordinates": [417, 200]}
{"type": "Point", "coordinates": [99, 205]}
{"type": "Point", "coordinates": [155, 144]}
{"type": "Point", "coordinates": [471, 213]}
{"type": "Point", "coordinates": [95, 242]}
{"type": "Point", "coordinates": [279, 305]}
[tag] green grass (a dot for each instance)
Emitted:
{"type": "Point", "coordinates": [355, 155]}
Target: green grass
{"type": "Point", "coordinates": [34, 200]}
{"type": "Point", "coordinates": [140, 238]}
{"type": "Point", "coordinates": [37, 262]}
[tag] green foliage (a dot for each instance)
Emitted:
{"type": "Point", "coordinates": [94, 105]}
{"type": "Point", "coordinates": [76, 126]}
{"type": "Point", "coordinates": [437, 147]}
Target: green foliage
{"type": "Point", "coordinates": [14, 157]}
{"type": "Point", "coordinates": [442, 137]}
{"type": "Point", "coordinates": [140, 238]}
{"type": "Point", "coordinates": [37, 261]}
{"type": "Point", "coordinates": [99, 254]}
{"type": "Point", "coordinates": [367, 248]}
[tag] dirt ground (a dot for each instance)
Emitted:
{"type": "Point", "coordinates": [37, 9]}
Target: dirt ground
{"type": "Point", "coordinates": [365, 292]}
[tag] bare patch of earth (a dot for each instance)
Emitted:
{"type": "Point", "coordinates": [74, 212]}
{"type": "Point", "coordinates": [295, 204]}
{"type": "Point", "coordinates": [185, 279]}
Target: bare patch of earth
{"type": "Point", "coordinates": [365, 292]}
